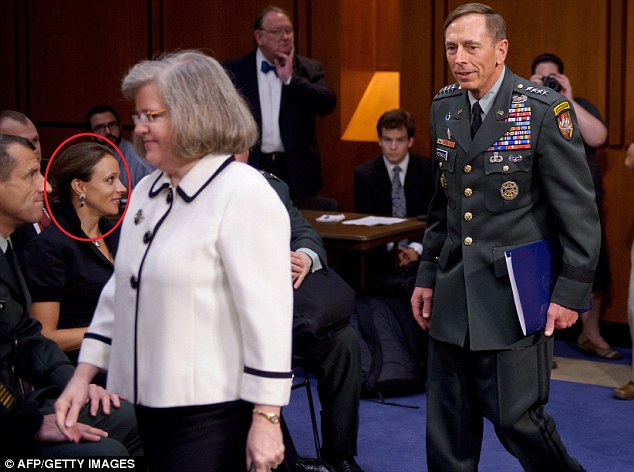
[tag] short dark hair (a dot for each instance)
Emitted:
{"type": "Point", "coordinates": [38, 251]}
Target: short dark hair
{"type": "Point", "coordinates": [100, 109]}
{"type": "Point", "coordinates": [76, 162]}
{"type": "Point", "coordinates": [548, 57]}
{"type": "Point", "coordinates": [7, 163]}
{"type": "Point", "coordinates": [494, 22]}
{"type": "Point", "coordinates": [260, 18]}
{"type": "Point", "coordinates": [394, 119]}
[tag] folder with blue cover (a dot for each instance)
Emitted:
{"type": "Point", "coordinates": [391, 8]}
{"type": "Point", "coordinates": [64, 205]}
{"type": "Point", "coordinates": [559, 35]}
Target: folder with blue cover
{"type": "Point", "coordinates": [530, 270]}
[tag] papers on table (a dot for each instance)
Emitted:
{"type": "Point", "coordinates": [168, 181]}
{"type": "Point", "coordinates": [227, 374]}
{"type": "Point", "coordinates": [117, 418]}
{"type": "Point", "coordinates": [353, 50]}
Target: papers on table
{"type": "Point", "coordinates": [330, 218]}
{"type": "Point", "coordinates": [374, 220]}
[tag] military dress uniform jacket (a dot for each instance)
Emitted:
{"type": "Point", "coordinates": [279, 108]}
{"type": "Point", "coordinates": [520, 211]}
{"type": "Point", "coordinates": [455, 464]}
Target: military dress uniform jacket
{"type": "Point", "coordinates": [522, 178]}
{"type": "Point", "coordinates": [199, 309]}
{"type": "Point", "coordinates": [24, 354]}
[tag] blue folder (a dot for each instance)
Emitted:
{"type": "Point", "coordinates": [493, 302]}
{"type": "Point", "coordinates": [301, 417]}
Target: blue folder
{"type": "Point", "coordinates": [532, 280]}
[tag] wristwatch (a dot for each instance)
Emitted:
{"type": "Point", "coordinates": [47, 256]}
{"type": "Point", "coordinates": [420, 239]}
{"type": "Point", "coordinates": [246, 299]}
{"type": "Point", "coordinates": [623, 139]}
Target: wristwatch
{"type": "Point", "coordinates": [272, 417]}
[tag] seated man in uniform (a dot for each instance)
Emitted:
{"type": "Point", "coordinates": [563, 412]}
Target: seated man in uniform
{"type": "Point", "coordinates": [333, 357]}
{"type": "Point", "coordinates": [27, 421]}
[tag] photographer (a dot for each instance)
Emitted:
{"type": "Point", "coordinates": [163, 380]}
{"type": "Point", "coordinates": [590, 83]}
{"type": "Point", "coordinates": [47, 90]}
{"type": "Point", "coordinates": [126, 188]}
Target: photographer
{"type": "Point", "coordinates": [548, 70]}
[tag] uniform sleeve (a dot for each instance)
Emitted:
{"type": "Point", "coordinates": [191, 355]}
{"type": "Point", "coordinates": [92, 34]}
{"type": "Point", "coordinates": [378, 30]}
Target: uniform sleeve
{"type": "Point", "coordinates": [254, 242]}
{"type": "Point", "coordinates": [436, 229]}
{"type": "Point", "coordinates": [569, 189]}
{"type": "Point", "coordinates": [44, 269]}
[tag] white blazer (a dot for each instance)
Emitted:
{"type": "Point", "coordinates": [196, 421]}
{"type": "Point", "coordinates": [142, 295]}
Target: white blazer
{"type": "Point", "coordinates": [199, 309]}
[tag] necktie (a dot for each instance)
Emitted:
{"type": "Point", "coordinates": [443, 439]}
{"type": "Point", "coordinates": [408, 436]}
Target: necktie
{"type": "Point", "coordinates": [398, 194]}
{"type": "Point", "coordinates": [476, 118]}
{"type": "Point", "coordinates": [266, 67]}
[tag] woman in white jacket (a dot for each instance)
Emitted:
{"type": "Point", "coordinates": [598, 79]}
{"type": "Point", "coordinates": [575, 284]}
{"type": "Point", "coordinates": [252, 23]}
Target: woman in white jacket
{"type": "Point", "coordinates": [195, 325]}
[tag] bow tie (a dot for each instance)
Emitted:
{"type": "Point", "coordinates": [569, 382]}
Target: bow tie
{"type": "Point", "coordinates": [266, 67]}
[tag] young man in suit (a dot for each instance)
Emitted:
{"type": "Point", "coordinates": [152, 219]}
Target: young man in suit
{"type": "Point", "coordinates": [27, 421]}
{"type": "Point", "coordinates": [511, 170]}
{"type": "Point", "coordinates": [285, 92]}
{"type": "Point", "coordinates": [374, 180]}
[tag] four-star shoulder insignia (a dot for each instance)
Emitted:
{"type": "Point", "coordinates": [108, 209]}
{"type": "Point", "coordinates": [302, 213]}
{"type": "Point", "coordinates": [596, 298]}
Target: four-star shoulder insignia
{"type": "Point", "coordinates": [449, 90]}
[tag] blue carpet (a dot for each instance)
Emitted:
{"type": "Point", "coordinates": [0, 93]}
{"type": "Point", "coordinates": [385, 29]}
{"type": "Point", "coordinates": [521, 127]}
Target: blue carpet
{"type": "Point", "coordinates": [597, 429]}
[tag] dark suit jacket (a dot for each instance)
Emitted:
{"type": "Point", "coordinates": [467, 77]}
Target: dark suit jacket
{"type": "Point", "coordinates": [306, 97]}
{"type": "Point", "coordinates": [490, 198]}
{"type": "Point", "coordinates": [373, 187]}
{"type": "Point", "coordinates": [25, 354]}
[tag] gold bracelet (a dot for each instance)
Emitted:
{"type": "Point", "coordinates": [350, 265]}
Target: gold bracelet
{"type": "Point", "coordinates": [272, 417]}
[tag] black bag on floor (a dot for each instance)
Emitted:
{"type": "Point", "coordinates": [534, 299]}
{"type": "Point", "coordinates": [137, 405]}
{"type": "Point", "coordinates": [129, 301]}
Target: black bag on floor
{"type": "Point", "coordinates": [393, 347]}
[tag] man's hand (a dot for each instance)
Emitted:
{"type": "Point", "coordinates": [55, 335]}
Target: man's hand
{"type": "Point", "coordinates": [50, 433]}
{"type": "Point", "coordinates": [421, 305]}
{"type": "Point", "coordinates": [406, 255]}
{"type": "Point", "coordinates": [562, 80]}
{"type": "Point", "coordinates": [629, 157]}
{"type": "Point", "coordinates": [300, 266]}
{"type": "Point", "coordinates": [559, 317]}
{"type": "Point", "coordinates": [284, 64]}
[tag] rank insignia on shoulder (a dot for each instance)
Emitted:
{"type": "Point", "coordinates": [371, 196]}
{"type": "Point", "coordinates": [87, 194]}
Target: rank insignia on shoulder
{"type": "Point", "coordinates": [564, 122]}
{"type": "Point", "coordinates": [537, 91]}
{"type": "Point", "coordinates": [449, 88]}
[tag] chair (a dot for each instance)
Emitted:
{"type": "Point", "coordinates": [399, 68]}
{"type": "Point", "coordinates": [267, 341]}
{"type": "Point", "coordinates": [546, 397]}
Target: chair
{"type": "Point", "coordinates": [288, 440]}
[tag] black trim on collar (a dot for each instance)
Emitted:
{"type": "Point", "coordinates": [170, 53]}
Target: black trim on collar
{"type": "Point", "coordinates": [189, 199]}
{"type": "Point", "coordinates": [155, 191]}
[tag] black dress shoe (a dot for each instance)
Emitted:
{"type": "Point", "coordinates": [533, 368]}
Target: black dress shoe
{"type": "Point", "coordinates": [345, 464]}
{"type": "Point", "coordinates": [306, 464]}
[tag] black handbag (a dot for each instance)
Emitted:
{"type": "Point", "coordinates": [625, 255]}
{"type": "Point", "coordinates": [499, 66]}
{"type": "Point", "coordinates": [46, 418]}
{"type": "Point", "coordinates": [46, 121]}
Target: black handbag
{"type": "Point", "coordinates": [322, 304]}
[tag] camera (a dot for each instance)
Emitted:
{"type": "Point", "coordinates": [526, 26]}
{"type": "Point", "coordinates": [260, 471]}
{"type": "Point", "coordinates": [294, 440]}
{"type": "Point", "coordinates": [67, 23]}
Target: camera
{"type": "Point", "coordinates": [550, 81]}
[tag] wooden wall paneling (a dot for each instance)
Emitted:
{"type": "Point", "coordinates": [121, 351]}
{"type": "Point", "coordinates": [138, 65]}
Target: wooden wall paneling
{"type": "Point", "coordinates": [10, 91]}
{"type": "Point", "coordinates": [628, 88]}
{"type": "Point", "coordinates": [78, 52]}
{"type": "Point", "coordinates": [615, 70]}
{"type": "Point", "coordinates": [419, 42]}
{"type": "Point", "coordinates": [388, 44]}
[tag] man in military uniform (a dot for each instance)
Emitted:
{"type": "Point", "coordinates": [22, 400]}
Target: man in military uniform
{"type": "Point", "coordinates": [27, 421]}
{"type": "Point", "coordinates": [510, 170]}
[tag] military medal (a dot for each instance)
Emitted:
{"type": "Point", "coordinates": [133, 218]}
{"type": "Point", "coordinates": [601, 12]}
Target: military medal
{"type": "Point", "coordinates": [495, 158]}
{"type": "Point", "coordinates": [509, 190]}
{"type": "Point", "coordinates": [443, 181]}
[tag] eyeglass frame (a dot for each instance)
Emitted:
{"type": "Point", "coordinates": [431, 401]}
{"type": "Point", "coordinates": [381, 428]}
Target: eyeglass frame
{"type": "Point", "coordinates": [148, 116]}
{"type": "Point", "coordinates": [111, 126]}
{"type": "Point", "coordinates": [278, 32]}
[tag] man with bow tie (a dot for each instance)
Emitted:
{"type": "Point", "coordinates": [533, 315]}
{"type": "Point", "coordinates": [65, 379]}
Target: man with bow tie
{"type": "Point", "coordinates": [285, 92]}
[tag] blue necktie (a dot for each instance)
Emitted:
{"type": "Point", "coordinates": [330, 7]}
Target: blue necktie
{"type": "Point", "coordinates": [266, 67]}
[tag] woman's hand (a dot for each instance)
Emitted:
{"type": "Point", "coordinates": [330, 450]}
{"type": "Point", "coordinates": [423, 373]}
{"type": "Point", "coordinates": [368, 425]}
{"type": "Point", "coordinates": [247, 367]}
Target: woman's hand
{"type": "Point", "coordinates": [265, 447]}
{"type": "Point", "coordinates": [73, 399]}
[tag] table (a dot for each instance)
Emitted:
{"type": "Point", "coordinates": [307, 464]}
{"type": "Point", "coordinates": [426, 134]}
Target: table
{"type": "Point", "coordinates": [360, 239]}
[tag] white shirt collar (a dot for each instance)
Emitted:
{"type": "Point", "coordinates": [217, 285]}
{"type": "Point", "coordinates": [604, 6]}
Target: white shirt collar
{"type": "Point", "coordinates": [403, 165]}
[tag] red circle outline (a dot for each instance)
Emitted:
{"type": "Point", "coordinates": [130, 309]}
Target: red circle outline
{"type": "Point", "coordinates": [48, 206]}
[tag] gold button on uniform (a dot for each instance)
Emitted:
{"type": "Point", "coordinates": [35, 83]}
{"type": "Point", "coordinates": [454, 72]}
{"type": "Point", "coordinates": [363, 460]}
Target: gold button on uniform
{"type": "Point", "coordinates": [468, 241]}
{"type": "Point", "coordinates": [467, 169]}
{"type": "Point", "coordinates": [468, 216]}
{"type": "Point", "coordinates": [505, 168]}
{"type": "Point", "coordinates": [468, 192]}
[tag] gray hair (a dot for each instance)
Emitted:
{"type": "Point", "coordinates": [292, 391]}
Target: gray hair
{"type": "Point", "coordinates": [207, 115]}
{"type": "Point", "coordinates": [494, 22]}
{"type": "Point", "coordinates": [7, 162]}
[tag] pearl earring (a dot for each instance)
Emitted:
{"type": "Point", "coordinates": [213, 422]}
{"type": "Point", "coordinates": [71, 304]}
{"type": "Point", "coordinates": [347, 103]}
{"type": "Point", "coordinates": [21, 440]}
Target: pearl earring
{"type": "Point", "coordinates": [82, 199]}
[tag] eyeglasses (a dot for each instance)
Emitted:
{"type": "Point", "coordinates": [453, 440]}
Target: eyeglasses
{"type": "Point", "coordinates": [148, 116]}
{"type": "Point", "coordinates": [112, 126]}
{"type": "Point", "coordinates": [278, 32]}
